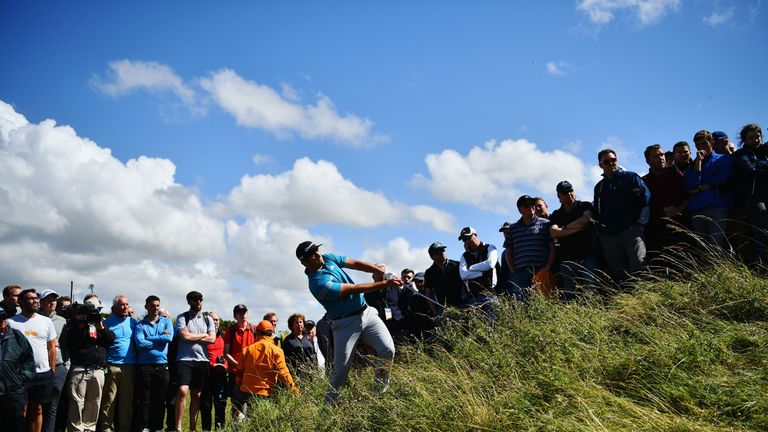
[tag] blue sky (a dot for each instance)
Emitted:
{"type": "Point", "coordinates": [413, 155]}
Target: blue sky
{"type": "Point", "coordinates": [236, 131]}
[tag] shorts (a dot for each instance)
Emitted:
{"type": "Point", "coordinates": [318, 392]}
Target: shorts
{"type": "Point", "coordinates": [42, 388]}
{"type": "Point", "coordinates": [191, 373]}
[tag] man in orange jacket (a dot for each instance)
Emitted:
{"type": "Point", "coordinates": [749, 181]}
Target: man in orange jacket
{"type": "Point", "coordinates": [261, 365]}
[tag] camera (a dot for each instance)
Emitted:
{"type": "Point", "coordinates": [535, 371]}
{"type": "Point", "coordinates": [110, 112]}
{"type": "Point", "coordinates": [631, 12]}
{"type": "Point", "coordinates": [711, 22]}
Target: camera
{"type": "Point", "coordinates": [220, 360]}
{"type": "Point", "coordinates": [85, 313]}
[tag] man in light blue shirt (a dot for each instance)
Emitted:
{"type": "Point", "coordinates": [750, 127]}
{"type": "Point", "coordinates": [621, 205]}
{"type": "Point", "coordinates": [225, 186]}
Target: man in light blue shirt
{"type": "Point", "coordinates": [196, 331]}
{"type": "Point", "coordinates": [121, 361]}
{"type": "Point", "coordinates": [351, 319]}
{"type": "Point", "coordinates": [152, 336]}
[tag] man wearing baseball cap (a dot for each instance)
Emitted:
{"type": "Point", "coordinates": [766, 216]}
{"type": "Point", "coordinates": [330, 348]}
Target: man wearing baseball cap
{"type": "Point", "coordinates": [571, 226]}
{"type": "Point", "coordinates": [353, 321]}
{"type": "Point", "coordinates": [48, 308]}
{"type": "Point", "coordinates": [477, 267]}
{"type": "Point", "coordinates": [443, 280]}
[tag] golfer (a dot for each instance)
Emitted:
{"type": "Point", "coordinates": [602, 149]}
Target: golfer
{"type": "Point", "coordinates": [352, 320]}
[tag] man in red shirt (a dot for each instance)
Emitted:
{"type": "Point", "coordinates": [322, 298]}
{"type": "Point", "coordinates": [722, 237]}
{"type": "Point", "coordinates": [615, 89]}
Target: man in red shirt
{"type": "Point", "coordinates": [669, 199]}
{"type": "Point", "coordinates": [237, 337]}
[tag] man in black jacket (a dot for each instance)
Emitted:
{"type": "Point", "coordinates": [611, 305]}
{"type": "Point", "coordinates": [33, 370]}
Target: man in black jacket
{"type": "Point", "coordinates": [17, 367]}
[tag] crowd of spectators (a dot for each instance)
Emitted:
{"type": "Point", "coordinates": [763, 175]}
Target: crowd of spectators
{"type": "Point", "coordinates": [64, 366]}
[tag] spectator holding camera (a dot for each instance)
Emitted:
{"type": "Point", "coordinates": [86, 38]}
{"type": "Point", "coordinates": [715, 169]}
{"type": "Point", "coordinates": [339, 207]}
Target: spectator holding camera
{"type": "Point", "coordinates": [87, 341]}
{"type": "Point", "coordinates": [152, 336]}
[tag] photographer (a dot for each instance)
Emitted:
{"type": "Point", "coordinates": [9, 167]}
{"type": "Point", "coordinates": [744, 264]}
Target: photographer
{"type": "Point", "coordinates": [87, 341]}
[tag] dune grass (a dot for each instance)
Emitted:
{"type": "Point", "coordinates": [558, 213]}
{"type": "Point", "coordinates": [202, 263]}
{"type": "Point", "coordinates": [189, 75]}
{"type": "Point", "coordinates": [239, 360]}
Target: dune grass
{"type": "Point", "coordinates": [684, 350]}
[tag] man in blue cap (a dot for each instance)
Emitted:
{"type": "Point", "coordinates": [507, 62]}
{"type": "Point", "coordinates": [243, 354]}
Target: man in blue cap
{"type": "Point", "coordinates": [352, 320]}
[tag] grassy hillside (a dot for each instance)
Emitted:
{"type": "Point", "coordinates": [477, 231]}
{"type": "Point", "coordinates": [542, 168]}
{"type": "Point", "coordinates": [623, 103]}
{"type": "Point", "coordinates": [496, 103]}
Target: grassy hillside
{"type": "Point", "coordinates": [684, 354]}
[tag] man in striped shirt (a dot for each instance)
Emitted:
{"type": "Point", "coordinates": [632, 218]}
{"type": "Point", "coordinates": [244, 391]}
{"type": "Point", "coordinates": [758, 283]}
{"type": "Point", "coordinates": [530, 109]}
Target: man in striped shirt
{"type": "Point", "coordinates": [528, 246]}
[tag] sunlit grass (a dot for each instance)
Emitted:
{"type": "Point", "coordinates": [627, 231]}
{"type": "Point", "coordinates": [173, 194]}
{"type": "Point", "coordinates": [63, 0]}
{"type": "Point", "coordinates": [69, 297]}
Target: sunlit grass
{"type": "Point", "coordinates": [684, 350]}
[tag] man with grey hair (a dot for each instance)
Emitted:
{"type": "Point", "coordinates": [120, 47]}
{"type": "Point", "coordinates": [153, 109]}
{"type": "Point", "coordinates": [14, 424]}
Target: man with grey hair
{"type": "Point", "coordinates": [121, 361]}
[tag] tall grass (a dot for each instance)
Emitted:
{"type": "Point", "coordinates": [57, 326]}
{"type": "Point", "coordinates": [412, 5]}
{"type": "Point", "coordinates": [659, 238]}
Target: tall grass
{"type": "Point", "coordinates": [686, 349]}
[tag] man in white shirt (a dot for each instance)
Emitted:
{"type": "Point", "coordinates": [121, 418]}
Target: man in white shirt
{"type": "Point", "coordinates": [41, 334]}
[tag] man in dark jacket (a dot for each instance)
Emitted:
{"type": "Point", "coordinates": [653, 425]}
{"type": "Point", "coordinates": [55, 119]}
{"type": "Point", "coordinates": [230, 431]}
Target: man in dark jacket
{"type": "Point", "coordinates": [87, 340]}
{"type": "Point", "coordinates": [17, 367]}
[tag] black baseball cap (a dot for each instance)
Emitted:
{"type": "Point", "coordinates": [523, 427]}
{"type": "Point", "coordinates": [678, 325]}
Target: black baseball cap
{"type": "Point", "coordinates": [435, 248]}
{"type": "Point", "coordinates": [564, 187]}
{"type": "Point", "coordinates": [306, 249]}
{"type": "Point", "coordinates": [466, 233]}
{"type": "Point", "coordinates": [505, 226]}
{"type": "Point", "coordinates": [241, 308]}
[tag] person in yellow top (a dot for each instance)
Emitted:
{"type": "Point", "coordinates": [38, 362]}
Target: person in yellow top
{"type": "Point", "coordinates": [261, 365]}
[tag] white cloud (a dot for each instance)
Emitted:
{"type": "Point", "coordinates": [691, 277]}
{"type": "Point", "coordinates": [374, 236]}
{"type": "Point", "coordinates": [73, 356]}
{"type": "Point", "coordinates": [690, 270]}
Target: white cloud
{"type": "Point", "coordinates": [397, 255]}
{"type": "Point", "coordinates": [260, 106]}
{"type": "Point", "coordinates": [494, 176]}
{"type": "Point", "coordinates": [70, 211]}
{"type": "Point", "coordinates": [126, 76]}
{"type": "Point", "coordinates": [313, 193]}
{"type": "Point", "coordinates": [645, 11]}
{"type": "Point", "coordinates": [261, 159]}
{"type": "Point", "coordinates": [557, 68]}
{"type": "Point", "coordinates": [715, 19]}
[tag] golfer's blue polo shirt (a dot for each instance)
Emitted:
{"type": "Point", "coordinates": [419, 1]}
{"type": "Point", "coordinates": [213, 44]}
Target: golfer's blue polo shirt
{"type": "Point", "coordinates": [325, 285]}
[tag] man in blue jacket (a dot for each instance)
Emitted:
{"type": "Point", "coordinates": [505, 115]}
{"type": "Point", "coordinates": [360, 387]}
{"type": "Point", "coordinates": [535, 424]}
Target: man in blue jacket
{"type": "Point", "coordinates": [621, 210]}
{"type": "Point", "coordinates": [708, 181]}
{"type": "Point", "coordinates": [152, 336]}
{"type": "Point", "coordinates": [121, 362]}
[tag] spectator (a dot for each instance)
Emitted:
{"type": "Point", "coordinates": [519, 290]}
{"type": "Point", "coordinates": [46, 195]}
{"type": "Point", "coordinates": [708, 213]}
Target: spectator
{"type": "Point", "coordinates": [682, 156]}
{"type": "Point", "coordinates": [17, 367]}
{"type": "Point", "coordinates": [41, 334]}
{"type": "Point", "coordinates": [214, 394]}
{"type": "Point", "coordinates": [542, 210]}
{"type": "Point", "coordinates": [239, 335]}
{"type": "Point", "coordinates": [571, 226]}
{"type": "Point", "coordinates": [669, 199]}
{"type": "Point", "coordinates": [196, 331]}
{"type": "Point", "coordinates": [721, 144]}
{"type": "Point", "coordinates": [529, 248]}
{"type": "Point", "coordinates": [353, 320]}
{"type": "Point", "coordinates": [421, 310]}
{"type": "Point", "coordinates": [751, 171]}
{"type": "Point", "coordinates": [443, 281]}
{"type": "Point", "coordinates": [710, 198]}
{"type": "Point", "coordinates": [310, 331]}
{"type": "Point", "coordinates": [279, 336]}
{"type": "Point", "coordinates": [63, 303]}
{"type": "Point", "coordinates": [388, 303]}
{"type": "Point", "coordinates": [621, 208]}
{"type": "Point", "coordinates": [261, 365]}
{"type": "Point", "coordinates": [669, 159]}
{"type": "Point", "coordinates": [477, 267]}
{"type": "Point", "coordinates": [152, 336]}
{"type": "Point", "coordinates": [87, 339]}
{"type": "Point", "coordinates": [48, 308]}
{"type": "Point", "coordinates": [121, 369]}
{"type": "Point", "coordinates": [299, 351]}
{"type": "Point", "coordinates": [325, 342]}
{"type": "Point", "coordinates": [10, 303]}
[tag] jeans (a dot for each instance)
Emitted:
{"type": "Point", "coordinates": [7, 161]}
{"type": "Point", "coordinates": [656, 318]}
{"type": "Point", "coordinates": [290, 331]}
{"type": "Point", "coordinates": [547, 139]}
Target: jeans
{"type": "Point", "coordinates": [485, 303]}
{"type": "Point", "coordinates": [577, 272]}
{"type": "Point", "coordinates": [710, 224]}
{"type": "Point", "coordinates": [624, 252]}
